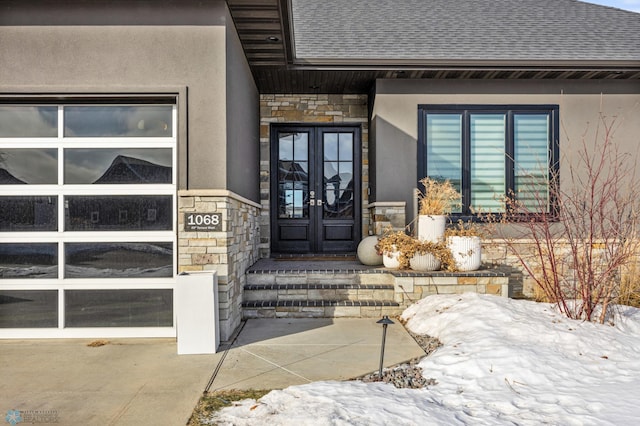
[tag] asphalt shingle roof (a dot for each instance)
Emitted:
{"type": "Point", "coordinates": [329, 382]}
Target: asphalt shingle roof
{"type": "Point", "coordinates": [420, 31]}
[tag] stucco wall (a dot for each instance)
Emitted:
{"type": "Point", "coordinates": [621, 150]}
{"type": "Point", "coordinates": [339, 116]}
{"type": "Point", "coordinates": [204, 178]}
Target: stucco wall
{"type": "Point", "coordinates": [395, 114]}
{"type": "Point", "coordinates": [77, 48]}
{"type": "Point", "coordinates": [243, 121]}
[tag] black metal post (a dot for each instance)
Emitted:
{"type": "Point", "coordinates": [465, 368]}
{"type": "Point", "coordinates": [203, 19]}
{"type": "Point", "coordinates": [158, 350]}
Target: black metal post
{"type": "Point", "coordinates": [385, 321]}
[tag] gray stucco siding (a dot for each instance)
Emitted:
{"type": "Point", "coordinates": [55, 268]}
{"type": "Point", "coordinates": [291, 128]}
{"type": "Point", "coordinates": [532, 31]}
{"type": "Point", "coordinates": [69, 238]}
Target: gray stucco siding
{"type": "Point", "coordinates": [243, 121]}
{"type": "Point", "coordinates": [581, 103]}
{"type": "Point", "coordinates": [189, 61]}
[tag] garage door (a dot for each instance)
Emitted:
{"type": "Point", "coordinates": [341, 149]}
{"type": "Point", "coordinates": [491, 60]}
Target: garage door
{"type": "Point", "coordinates": [87, 219]}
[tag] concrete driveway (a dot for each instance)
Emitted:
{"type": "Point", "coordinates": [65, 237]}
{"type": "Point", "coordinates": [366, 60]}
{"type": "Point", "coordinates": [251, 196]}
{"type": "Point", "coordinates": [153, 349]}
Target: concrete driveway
{"type": "Point", "coordinates": [126, 382]}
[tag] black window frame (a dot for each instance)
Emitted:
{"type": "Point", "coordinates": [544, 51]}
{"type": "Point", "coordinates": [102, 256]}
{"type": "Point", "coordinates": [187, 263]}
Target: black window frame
{"type": "Point", "coordinates": [509, 110]}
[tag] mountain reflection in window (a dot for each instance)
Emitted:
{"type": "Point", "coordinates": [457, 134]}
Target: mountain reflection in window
{"type": "Point", "coordinates": [132, 170]}
{"type": "Point", "coordinates": [6, 178]}
{"type": "Point", "coordinates": [19, 166]}
{"type": "Point", "coordinates": [117, 166]}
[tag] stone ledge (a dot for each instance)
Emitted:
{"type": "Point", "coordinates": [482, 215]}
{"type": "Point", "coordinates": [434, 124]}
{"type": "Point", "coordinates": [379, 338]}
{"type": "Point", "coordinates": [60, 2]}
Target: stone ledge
{"type": "Point", "coordinates": [302, 265]}
{"type": "Point", "coordinates": [394, 272]}
{"type": "Point", "coordinates": [223, 193]}
{"type": "Point", "coordinates": [479, 273]}
{"type": "Point", "coordinates": [317, 271]}
{"type": "Point", "coordinates": [375, 204]}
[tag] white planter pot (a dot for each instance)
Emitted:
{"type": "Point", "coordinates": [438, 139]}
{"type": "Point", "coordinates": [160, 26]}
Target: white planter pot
{"type": "Point", "coordinates": [390, 259]}
{"type": "Point", "coordinates": [424, 262]}
{"type": "Point", "coordinates": [431, 228]}
{"type": "Point", "coordinates": [466, 251]}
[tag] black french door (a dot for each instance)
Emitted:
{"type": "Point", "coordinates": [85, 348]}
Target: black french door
{"type": "Point", "coordinates": [315, 189]}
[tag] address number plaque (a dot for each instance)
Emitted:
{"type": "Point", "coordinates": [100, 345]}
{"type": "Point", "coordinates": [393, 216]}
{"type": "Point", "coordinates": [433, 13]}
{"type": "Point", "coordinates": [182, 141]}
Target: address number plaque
{"type": "Point", "coordinates": [203, 222]}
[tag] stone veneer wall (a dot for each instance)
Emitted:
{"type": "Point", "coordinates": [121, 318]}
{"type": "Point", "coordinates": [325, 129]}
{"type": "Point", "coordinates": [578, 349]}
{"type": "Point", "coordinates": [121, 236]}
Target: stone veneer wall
{"type": "Point", "coordinates": [309, 109]}
{"type": "Point", "coordinates": [409, 288]}
{"type": "Point", "coordinates": [385, 215]}
{"type": "Point", "coordinates": [497, 252]}
{"type": "Point", "coordinates": [229, 252]}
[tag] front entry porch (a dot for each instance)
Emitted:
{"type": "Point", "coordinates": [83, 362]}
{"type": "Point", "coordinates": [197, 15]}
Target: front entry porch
{"type": "Point", "coordinates": [340, 286]}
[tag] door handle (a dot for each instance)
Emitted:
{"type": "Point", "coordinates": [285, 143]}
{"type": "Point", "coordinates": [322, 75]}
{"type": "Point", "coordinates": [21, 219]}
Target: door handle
{"type": "Point", "coordinates": [312, 202]}
{"type": "Point", "coordinates": [319, 202]}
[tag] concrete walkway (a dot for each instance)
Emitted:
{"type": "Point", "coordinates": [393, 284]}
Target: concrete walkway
{"type": "Point", "coordinates": [144, 381]}
{"type": "Point", "coordinates": [276, 353]}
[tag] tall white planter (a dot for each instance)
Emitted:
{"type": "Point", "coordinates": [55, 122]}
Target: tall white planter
{"type": "Point", "coordinates": [466, 251]}
{"type": "Point", "coordinates": [431, 227]}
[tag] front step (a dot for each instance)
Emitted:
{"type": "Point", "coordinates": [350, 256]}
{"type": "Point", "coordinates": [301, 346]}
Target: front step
{"type": "Point", "coordinates": [318, 300]}
{"type": "Point", "coordinates": [317, 289]}
{"type": "Point", "coordinates": [339, 288]}
{"type": "Point", "coordinates": [319, 308]}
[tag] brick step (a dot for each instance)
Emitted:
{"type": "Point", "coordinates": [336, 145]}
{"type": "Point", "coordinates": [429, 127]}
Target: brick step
{"type": "Point", "coordinates": [302, 277]}
{"type": "Point", "coordinates": [315, 291]}
{"type": "Point", "coordinates": [319, 308]}
{"type": "Point", "coordinates": [318, 286]}
{"type": "Point", "coordinates": [315, 303]}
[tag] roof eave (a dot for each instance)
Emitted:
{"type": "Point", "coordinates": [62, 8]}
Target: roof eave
{"type": "Point", "coordinates": [463, 64]}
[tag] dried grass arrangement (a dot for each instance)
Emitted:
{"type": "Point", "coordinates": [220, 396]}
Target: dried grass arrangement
{"type": "Point", "coordinates": [464, 229]}
{"type": "Point", "coordinates": [437, 197]}
{"type": "Point", "coordinates": [407, 246]}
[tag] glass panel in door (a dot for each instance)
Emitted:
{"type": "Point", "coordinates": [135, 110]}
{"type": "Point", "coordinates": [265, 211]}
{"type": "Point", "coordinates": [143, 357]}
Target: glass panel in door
{"type": "Point", "coordinates": [293, 175]}
{"type": "Point", "coordinates": [338, 175]}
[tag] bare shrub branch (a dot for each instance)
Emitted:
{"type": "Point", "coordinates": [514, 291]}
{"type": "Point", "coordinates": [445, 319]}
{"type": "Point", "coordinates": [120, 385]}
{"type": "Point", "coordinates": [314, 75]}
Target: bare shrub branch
{"type": "Point", "coordinates": [578, 248]}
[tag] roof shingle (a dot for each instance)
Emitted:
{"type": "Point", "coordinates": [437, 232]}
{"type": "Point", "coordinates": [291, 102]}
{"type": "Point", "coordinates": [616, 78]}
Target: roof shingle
{"type": "Point", "coordinates": [463, 31]}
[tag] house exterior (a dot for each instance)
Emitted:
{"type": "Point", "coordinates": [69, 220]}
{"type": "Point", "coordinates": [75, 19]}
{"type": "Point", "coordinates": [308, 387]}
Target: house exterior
{"type": "Point", "coordinates": [142, 139]}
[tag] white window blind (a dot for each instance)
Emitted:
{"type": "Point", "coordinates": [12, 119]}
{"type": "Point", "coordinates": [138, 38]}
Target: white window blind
{"type": "Point", "coordinates": [487, 161]}
{"type": "Point", "coordinates": [444, 149]}
{"type": "Point", "coordinates": [531, 160]}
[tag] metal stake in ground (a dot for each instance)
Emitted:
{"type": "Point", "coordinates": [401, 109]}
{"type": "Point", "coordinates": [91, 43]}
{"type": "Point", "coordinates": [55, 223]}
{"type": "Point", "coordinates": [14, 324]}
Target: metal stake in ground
{"type": "Point", "coordinates": [385, 321]}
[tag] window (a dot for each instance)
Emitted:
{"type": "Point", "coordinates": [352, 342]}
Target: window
{"type": "Point", "coordinates": [87, 214]}
{"type": "Point", "coordinates": [489, 151]}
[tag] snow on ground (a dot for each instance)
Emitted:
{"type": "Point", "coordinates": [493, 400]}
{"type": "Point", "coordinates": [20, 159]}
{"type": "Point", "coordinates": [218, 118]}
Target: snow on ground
{"type": "Point", "coordinates": [503, 361]}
